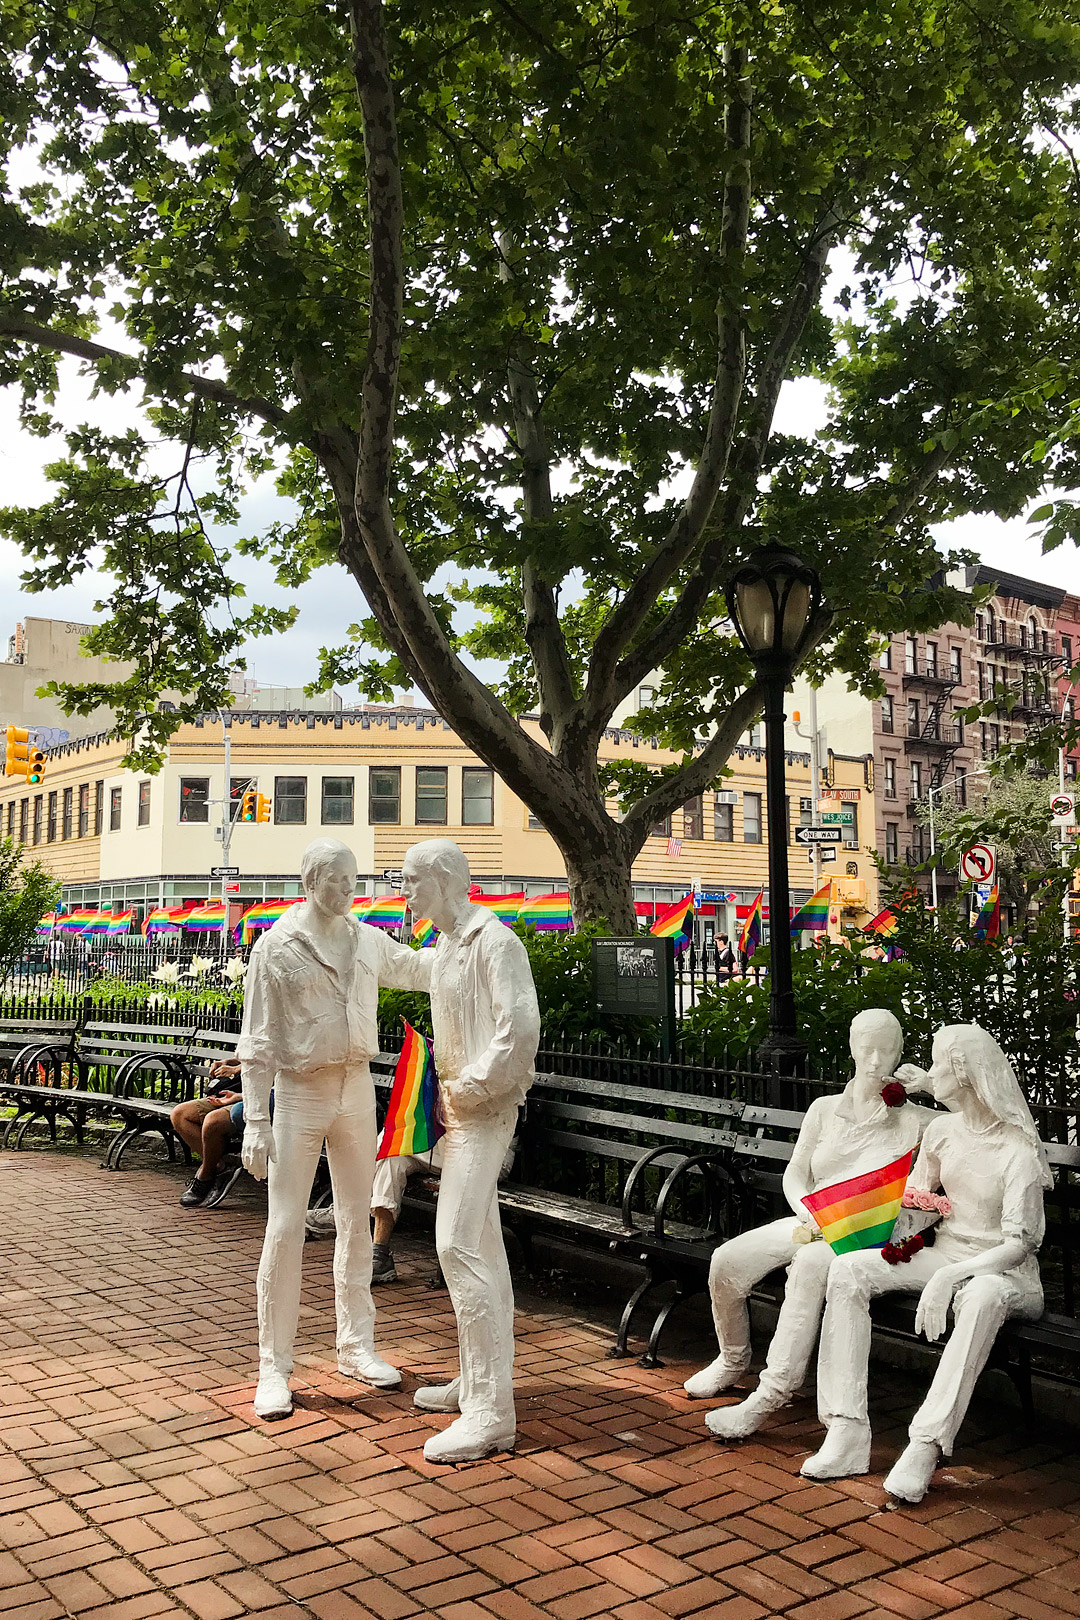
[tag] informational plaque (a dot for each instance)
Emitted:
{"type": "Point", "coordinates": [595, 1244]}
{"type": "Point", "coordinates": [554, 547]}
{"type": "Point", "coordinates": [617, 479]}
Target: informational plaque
{"type": "Point", "coordinates": [636, 977]}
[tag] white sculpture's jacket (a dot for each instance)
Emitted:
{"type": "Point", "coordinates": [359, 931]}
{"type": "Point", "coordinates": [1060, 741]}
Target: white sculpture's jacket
{"type": "Point", "coordinates": [297, 1021]}
{"type": "Point", "coordinates": [485, 1017]}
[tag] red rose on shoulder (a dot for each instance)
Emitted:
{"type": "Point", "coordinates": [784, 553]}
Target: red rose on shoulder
{"type": "Point", "coordinates": [893, 1094]}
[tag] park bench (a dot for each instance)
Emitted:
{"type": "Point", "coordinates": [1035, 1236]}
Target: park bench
{"type": "Point", "coordinates": [21, 1038]}
{"type": "Point", "coordinates": [151, 1090]}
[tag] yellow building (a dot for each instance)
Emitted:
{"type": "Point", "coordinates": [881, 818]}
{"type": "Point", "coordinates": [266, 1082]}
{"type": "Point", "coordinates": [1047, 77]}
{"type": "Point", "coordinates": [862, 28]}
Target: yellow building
{"type": "Point", "coordinates": [380, 779]}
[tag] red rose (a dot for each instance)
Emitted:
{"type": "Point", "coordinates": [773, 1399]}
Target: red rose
{"type": "Point", "coordinates": [893, 1094]}
{"type": "Point", "coordinates": [891, 1254]}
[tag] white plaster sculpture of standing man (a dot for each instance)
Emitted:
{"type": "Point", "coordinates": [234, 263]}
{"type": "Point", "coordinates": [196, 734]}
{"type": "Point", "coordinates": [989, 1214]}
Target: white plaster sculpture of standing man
{"type": "Point", "coordinates": [987, 1158]}
{"type": "Point", "coordinates": [847, 1135]}
{"type": "Point", "coordinates": [487, 1027]}
{"type": "Point", "coordinates": [310, 1009]}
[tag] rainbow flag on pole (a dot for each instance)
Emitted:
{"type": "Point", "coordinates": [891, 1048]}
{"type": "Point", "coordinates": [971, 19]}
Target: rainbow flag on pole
{"type": "Point", "coordinates": [162, 920]}
{"type": "Point", "coordinates": [45, 926]}
{"type": "Point", "coordinates": [750, 936]}
{"type": "Point", "coordinates": [264, 914]}
{"type": "Point", "coordinates": [860, 1213]}
{"type": "Point", "coordinates": [814, 915]}
{"type": "Point", "coordinates": [208, 918]}
{"type": "Point", "coordinates": [676, 922]}
{"type": "Point", "coordinates": [547, 913]}
{"type": "Point", "coordinates": [120, 922]}
{"type": "Point", "coordinates": [360, 905]}
{"type": "Point", "coordinates": [413, 1124]}
{"type": "Point", "coordinates": [884, 923]}
{"type": "Point", "coordinates": [424, 932]}
{"type": "Point", "coordinates": [505, 906]}
{"type": "Point", "coordinates": [385, 911]}
{"type": "Point", "coordinates": [988, 922]}
{"type": "Point", "coordinates": [75, 921]}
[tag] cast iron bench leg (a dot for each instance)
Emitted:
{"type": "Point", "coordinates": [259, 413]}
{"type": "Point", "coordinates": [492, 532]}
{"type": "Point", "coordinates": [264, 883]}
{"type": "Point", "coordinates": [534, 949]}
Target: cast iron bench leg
{"type": "Point", "coordinates": [651, 1358]}
{"type": "Point", "coordinates": [619, 1351]}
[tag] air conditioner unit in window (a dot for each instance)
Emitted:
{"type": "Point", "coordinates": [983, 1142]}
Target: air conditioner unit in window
{"type": "Point", "coordinates": [726, 796]}
{"type": "Point", "coordinates": [851, 843]}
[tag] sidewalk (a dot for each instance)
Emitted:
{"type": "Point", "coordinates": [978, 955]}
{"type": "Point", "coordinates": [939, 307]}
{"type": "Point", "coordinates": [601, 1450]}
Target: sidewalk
{"type": "Point", "coordinates": [135, 1480]}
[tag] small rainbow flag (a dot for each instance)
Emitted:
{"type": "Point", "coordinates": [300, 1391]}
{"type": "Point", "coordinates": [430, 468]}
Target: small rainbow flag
{"type": "Point", "coordinates": [547, 913]}
{"type": "Point", "coordinates": [884, 923]}
{"type": "Point", "coordinates": [163, 920]}
{"type": "Point", "coordinates": [988, 922]}
{"type": "Point", "coordinates": [120, 922]}
{"type": "Point", "coordinates": [360, 905]}
{"type": "Point", "coordinates": [860, 1213]}
{"type": "Point", "coordinates": [814, 915]}
{"type": "Point", "coordinates": [385, 911]}
{"type": "Point", "coordinates": [97, 922]}
{"type": "Point", "coordinates": [413, 1123]}
{"type": "Point", "coordinates": [75, 921]}
{"type": "Point", "coordinates": [206, 918]}
{"type": "Point", "coordinates": [750, 935]}
{"type": "Point", "coordinates": [264, 914]}
{"type": "Point", "coordinates": [676, 922]}
{"type": "Point", "coordinates": [424, 932]}
{"type": "Point", "coordinates": [505, 906]}
{"type": "Point", "coordinates": [45, 926]}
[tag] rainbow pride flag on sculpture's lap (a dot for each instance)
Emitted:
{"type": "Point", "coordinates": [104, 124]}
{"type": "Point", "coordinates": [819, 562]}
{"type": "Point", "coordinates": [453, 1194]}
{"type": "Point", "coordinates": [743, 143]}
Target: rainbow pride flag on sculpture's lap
{"type": "Point", "coordinates": [385, 911]}
{"type": "Point", "coordinates": [860, 1213]}
{"type": "Point", "coordinates": [676, 922]}
{"type": "Point", "coordinates": [208, 918]}
{"type": "Point", "coordinates": [413, 1121]}
{"type": "Point", "coordinates": [988, 922]}
{"type": "Point", "coordinates": [505, 906]}
{"type": "Point", "coordinates": [812, 917]}
{"type": "Point", "coordinates": [547, 913]}
{"type": "Point", "coordinates": [424, 931]}
{"type": "Point", "coordinates": [264, 914]}
{"type": "Point", "coordinates": [750, 936]}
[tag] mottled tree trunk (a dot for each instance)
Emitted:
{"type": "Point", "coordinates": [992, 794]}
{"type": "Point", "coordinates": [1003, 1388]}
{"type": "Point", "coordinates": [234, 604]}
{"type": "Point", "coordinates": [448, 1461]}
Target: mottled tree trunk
{"type": "Point", "coordinates": [598, 875]}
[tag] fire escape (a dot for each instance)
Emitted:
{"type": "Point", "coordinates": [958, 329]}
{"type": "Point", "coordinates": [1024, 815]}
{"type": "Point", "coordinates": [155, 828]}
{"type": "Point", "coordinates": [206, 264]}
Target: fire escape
{"type": "Point", "coordinates": [925, 735]}
{"type": "Point", "coordinates": [1029, 652]}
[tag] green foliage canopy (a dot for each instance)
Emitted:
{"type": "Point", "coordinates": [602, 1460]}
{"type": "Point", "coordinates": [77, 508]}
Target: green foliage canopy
{"type": "Point", "coordinates": [27, 892]}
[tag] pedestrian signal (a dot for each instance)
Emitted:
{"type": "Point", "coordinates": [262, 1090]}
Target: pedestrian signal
{"type": "Point", "coordinates": [247, 805]}
{"type": "Point", "coordinates": [17, 752]}
{"type": "Point", "coordinates": [262, 808]}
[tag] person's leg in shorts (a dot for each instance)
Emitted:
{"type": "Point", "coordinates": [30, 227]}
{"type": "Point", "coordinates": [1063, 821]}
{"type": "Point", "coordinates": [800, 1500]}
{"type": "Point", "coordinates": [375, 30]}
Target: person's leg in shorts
{"type": "Point", "coordinates": [387, 1192]}
{"type": "Point", "coordinates": [205, 1126]}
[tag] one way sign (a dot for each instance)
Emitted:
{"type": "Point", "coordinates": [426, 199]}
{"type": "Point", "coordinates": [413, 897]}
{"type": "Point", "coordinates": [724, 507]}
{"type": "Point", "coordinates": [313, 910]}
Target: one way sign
{"type": "Point", "coordinates": [819, 835]}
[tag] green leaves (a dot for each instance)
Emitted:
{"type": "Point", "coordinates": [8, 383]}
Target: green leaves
{"type": "Point", "coordinates": [27, 892]}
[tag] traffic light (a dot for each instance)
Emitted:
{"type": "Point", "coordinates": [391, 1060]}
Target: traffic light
{"type": "Point", "coordinates": [247, 805]}
{"type": "Point", "coordinates": [262, 808]}
{"type": "Point", "coordinates": [36, 766]}
{"type": "Point", "coordinates": [17, 752]}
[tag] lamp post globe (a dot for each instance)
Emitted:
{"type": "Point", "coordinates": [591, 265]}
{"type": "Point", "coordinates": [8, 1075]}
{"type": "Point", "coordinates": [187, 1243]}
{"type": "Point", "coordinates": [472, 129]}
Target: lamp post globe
{"type": "Point", "coordinates": [775, 603]}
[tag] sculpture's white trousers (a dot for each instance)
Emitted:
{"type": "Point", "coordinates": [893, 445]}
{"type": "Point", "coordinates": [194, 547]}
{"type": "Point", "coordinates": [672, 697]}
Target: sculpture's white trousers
{"type": "Point", "coordinates": [336, 1106]}
{"type": "Point", "coordinates": [391, 1176]}
{"type": "Point", "coordinates": [469, 1241]}
{"type": "Point", "coordinates": [736, 1267]}
{"type": "Point", "coordinates": [980, 1306]}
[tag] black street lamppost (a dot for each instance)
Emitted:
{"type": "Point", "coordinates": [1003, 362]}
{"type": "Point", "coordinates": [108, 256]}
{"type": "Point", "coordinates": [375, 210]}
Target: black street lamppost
{"type": "Point", "coordinates": [775, 604]}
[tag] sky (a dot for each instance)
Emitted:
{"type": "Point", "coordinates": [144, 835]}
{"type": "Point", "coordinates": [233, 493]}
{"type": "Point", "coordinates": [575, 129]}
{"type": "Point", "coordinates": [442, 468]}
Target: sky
{"type": "Point", "coordinates": [331, 601]}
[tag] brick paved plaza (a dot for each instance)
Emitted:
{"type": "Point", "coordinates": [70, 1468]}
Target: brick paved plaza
{"type": "Point", "coordinates": [135, 1480]}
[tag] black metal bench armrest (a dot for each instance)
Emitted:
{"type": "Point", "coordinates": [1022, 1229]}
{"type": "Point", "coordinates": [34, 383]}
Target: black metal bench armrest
{"type": "Point", "coordinates": [694, 1161]}
{"type": "Point", "coordinates": [53, 1053]}
{"type": "Point", "coordinates": [639, 1168]}
{"type": "Point", "coordinates": [172, 1064]}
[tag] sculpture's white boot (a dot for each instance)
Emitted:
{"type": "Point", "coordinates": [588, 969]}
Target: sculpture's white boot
{"type": "Point", "coordinates": [719, 1375]}
{"type": "Point", "coordinates": [846, 1452]}
{"type": "Point", "coordinates": [364, 1364]}
{"type": "Point", "coordinates": [438, 1397]}
{"type": "Point", "coordinates": [737, 1422]}
{"type": "Point", "coordinates": [468, 1439]}
{"type": "Point", "coordinates": [910, 1476]}
{"type": "Point", "coordinates": [273, 1397]}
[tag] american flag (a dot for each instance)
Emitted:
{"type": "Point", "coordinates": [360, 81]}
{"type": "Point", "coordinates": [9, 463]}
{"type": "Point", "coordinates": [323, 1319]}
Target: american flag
{"type": "Point", "coordinates": [674, 846]}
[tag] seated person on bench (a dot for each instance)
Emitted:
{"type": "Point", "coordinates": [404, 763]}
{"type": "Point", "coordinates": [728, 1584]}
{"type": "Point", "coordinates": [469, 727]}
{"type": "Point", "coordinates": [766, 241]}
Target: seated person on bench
{"type": "Point", "coordinates": [208, 1124]}
{"type": "Point", "coordinates": [387, 1192]}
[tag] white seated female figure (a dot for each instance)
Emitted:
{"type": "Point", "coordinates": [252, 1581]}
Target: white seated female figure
{"type": "Point", "coordinates": [846, 1135]}
{"type": "Point", "coordinates": [987, 1159]}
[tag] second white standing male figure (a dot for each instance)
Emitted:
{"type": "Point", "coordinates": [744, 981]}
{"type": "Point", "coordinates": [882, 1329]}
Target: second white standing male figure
{"type": "Point", "coordinates": [310, 1007]}
{"type": "Point", "coordinates": [487, 1027]}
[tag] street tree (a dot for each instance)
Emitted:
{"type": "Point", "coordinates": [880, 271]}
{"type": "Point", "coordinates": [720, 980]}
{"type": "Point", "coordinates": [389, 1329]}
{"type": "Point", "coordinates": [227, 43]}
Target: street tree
{"type": "Point", "coordinates": [27, 892]}
{"type": "Point", "coordinates": [506, 296]}
{"type": "Point", "coordinates": [1011, 813]}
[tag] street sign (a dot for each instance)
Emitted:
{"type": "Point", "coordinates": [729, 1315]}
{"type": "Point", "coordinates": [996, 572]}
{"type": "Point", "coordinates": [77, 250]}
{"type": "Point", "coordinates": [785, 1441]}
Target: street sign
{"type": "Point", "coordinates": [224, 871]}
{"type": "Point", "coordinates": [845, 795]}
{"type": "Point", "coordinates": [978, 864]}
{"type": "Point", "coordinates": [838, 818]}
{"type": "Point", "coordinates": [819, 835]}
{"type": "Point", "coordinates": [392, 874]}
{"type": "Point", "coordinates": [1063, 809]}
{"type": "Point", "coordinates": [828, 854]}
{"type": "Point", "coordinates": [232, 888]}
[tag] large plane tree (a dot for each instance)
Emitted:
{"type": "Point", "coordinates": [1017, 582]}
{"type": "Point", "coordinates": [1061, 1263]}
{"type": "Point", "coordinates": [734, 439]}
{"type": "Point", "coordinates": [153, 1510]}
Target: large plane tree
{"type": "Point", "coordinates": [506, 295]}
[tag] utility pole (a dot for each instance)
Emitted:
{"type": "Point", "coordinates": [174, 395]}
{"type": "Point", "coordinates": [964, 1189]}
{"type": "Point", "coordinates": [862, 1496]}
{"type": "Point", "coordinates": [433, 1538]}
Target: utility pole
{"type": "Point", "coordinates": [815, 781]}
{"type": "Point", "coordinates": [226, 831]}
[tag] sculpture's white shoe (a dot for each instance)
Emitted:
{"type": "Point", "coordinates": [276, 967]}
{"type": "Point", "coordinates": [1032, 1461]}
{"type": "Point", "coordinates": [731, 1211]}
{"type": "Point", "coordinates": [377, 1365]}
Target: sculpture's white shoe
{"type": "Point", "coordinates": [910, 1476]}
{"type": "Point", "coordinates": [846, 1452]}
{"type": "Point", "coordinates": [372, 1369]}
{"type": "Point", "coordinates": [467, 1440]}
{"type": "Point", "coordinates": [737, 1422]}
{"type": "Point", "coordinates": [714, 1379]}
{"type": "Point", "coordinates": [273, 1397]}
{"type": "Point", "coordinates": [438, 1397]}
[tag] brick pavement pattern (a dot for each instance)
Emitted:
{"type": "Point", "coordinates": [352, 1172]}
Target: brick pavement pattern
{"type": "Point", "coordinates": [135, 1480]}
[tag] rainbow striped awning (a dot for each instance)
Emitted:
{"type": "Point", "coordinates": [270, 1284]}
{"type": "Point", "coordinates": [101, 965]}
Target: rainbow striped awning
{"type": "Point", "coordinates": [860, 1213]}
{"type": "Point", "coordinates": [413, 1123]}
{"type": "Point", "coordinates": [547, 913]}
{"type": "Point", "coordinates": [813, 916]}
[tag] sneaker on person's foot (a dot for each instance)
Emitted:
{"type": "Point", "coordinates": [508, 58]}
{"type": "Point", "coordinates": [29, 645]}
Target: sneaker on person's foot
{"type": "Point", "coordinates": [383, 1269]}
{"type": "Point", "coordinates": [198, 1192]}
{"type": "Point", "coordinates": [224, 1179]}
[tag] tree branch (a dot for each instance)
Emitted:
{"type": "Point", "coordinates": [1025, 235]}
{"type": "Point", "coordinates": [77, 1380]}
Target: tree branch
{"type": "Point", "coordinates": [23, 330]}
{"type": "Point", "coordinates": [629, 615]}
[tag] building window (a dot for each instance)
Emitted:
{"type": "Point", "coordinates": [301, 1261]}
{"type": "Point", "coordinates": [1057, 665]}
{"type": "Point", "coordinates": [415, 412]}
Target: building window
{"type": "Point", "coordinates": [24, 820]}
{"type": "Point", "coordinates": [115, 800]}
{"type": "Point", "coordinates": [991, 626]}
{"type": "Point", "coordinates": [693, 818]}
{"type": "Point", "coordinates": [69, 795]}
{"type": "Point", "coordinates": [806, 812]}
{"type": "Point", "coordinates": [917, 845]}
{"type": "Point", "coordinates": [661, 829]}
{"type": "Point", "coordinates": [84, 810]}
{"type": "Point", "coordinates": [956, 661]}
{"type": "Point", "coordinates": [887, 714]}
{"type": "Point", "coordinates": [11, 818]}
{"type": "Point", "coordinates": [911, 655]}
{"type": "Point", "coordinates": [431, 796]}
{"type": "Point", "coordinates": [290, 800]}
{"type": "Point", "coordinates": [916, 779]}
{"type": "Point", "coordinates": [1070, 770]}
{"type": "Point", "coordinates": [914, 726]}
{"type": "Point", "coordinates": [477, 796]}
{"type": "Point", "coordinates": [961, 788]}
{"type": "Point", "coordinates": [38, 806]}
{"type": "Point", "coordinates": [384, 794]}
{"type": "Point", "coordinates": [194, 798]}
{"type": "Point", "coordinates": [931, 658]}
{"type": "Point", "coordinates": [50, 825]}
{"type": "Point", "coordinates": [646, 696]}
{"type": "Point", "coordinates": [144, 804]}
{"type": "Point", "coordinates": [723, 823]}
{"type": "Point", "coordinates": [1066, 649]}
{"type": "Point", "coordinates": [892, 842]}
{"type": "Point", "coordinates": [337, 800]}
{"type": "Point", "coordinates": [995, 739]}
{"type": "Point", "coordinates": [751, 818]}
{"type": "Point", "coordinates": [99, 808]}
{"type": "Point", "coordinates": [889, 767]}
{"type": "Point", "coordinates": [886, 656]}
{"type": "Point", "coordinates": [980, 627]}
{"type": "Point", "coordinates": [958, 729]}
